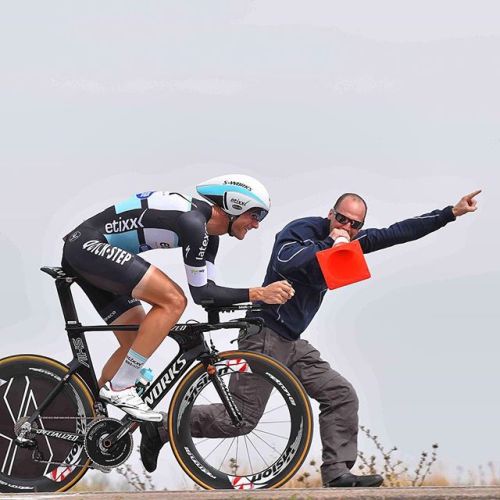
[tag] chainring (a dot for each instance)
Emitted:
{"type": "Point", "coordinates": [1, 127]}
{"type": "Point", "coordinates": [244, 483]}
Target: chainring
{"type": "Point", "coordinates": [96, 434]}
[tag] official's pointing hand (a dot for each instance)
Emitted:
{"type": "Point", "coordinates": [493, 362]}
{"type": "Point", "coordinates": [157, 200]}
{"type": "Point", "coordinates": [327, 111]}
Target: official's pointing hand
{"type": "Point", "coordinates": [466, 204]}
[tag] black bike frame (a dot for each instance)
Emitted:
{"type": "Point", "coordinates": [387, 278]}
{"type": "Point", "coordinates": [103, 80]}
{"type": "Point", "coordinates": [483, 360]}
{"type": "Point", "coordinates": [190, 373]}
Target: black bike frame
{"type": "Point", "coordinates": [189, 336]}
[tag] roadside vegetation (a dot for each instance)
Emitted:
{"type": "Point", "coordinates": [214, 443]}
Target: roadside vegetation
{"type": "Point", "coordinates": [427, 471]}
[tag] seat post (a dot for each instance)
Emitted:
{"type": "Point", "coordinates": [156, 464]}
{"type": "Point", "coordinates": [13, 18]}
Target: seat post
{"type": "Point", "coordinates": [66, 299]}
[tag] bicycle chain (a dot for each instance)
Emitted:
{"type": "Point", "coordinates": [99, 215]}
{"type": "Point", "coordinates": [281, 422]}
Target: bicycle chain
{"type": "Point", "coordinates": [39, 459]}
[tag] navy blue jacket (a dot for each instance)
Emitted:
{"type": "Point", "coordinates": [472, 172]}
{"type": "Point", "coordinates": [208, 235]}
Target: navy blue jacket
{"type": "Point", "coordinates": [294, 258]}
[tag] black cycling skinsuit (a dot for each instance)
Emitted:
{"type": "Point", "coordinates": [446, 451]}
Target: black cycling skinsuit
{"type": "Point", "coordinates": [103, 251]}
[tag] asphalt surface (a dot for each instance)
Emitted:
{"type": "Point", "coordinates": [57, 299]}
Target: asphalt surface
{"type": "Point", "coordinates": [424, 493]}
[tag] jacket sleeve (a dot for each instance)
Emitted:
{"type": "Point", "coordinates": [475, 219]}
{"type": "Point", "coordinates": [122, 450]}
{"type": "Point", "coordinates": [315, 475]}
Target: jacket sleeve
{"type": "Point", "coordinates": [296, 249]}
{"type": "Point", "coordinates": [372, 240]}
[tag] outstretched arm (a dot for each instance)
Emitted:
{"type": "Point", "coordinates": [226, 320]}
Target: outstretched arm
{"type": "Point", "coordinates": [372, 240]}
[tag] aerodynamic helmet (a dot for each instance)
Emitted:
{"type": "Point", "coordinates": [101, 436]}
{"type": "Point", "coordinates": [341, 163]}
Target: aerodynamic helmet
{"type": "Point", "coordinates": [236, 194]}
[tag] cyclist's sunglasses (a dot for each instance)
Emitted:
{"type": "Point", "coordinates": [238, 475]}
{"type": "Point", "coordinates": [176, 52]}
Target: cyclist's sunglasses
{"type": "Point", "coordinates": [342, 219]}
{"type": "Point", "coordinates": [258, 214]}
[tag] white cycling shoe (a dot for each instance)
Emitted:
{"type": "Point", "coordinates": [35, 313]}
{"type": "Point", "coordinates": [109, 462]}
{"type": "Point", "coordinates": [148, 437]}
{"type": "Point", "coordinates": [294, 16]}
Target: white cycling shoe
{"type": "Point", "coordinates": [130, 402]}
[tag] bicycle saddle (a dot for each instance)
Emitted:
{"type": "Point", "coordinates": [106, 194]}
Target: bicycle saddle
{"type": "Point", "coordinates": [55, 272]}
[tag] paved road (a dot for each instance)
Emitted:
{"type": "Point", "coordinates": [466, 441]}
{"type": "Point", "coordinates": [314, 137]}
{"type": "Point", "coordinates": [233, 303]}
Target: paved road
{"type": "Point", "coordinates": [431, 493]}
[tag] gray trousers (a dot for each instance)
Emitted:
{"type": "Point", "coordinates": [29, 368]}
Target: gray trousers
{"type": "Point", "coordinates": [338, 403]}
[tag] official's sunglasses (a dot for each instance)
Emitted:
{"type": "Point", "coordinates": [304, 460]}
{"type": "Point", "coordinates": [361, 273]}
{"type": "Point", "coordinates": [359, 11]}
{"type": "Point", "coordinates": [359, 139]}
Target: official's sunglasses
{"type": "Point", "coordinates": [342, 219]}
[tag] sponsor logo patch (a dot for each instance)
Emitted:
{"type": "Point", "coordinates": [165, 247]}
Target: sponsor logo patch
{"type": "Point", "coordinates": [144, 195]}
{"type": "Point", "coordinates": [122, 225]}
{"type": "Point", "coordinates": [203, 247]}
{"type": "Point", "coordinates": [75, 236]}
{"type": "Point", "coordinates": [106, 250]}
{"type": "Point", "coordinates": [240, 184]}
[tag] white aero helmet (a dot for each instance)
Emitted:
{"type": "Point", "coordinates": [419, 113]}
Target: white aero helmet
{"type": "Point", "coordinates": [236, 194]}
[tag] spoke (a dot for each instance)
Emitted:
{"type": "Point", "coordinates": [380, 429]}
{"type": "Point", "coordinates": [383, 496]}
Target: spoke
{"type": "Point", "coordinates": [230, 446]}
{"type": "Point", "coordinates": [274, 409]}
{"type": "Point", "coordinates": [206, 399]}
{"type": "Point", "coordinates": [258, 452]}
{"type": "Point", "coordinates": [248, 455]}
{"type": "Point", "coordinates": [221, 441]}
{"type": "Point", "coordinates": [201, 442]}
{"type": "Point", "coordinates": [274, 422]}
{"type": "Point", "coordinates": [270, 433]}
{"type": "Point", "coordinates": [237, 446]}
{"type": "Point", "coordinates": [267, 444]}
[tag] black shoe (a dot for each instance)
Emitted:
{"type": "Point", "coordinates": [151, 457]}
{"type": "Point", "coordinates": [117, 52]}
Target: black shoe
{"type": "Point", "coordinates": [349, 480]}
{"type": "Point", "coordinates": [154, 436]}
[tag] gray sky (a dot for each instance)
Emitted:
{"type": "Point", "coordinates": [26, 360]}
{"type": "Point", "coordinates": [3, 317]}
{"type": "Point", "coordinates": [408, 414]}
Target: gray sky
{"type": "Point", "coordinates": [397, 101]}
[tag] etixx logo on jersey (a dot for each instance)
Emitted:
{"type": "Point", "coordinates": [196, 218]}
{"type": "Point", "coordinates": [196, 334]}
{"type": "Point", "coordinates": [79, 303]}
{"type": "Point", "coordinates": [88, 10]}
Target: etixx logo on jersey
{"type": "Point", "coordinates": [122, 225]}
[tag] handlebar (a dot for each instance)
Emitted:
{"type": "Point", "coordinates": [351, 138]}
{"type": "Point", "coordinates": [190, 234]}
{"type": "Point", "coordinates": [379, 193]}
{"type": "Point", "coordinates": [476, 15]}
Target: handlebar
{"type": "Point", "coordinates": [214, 311]}
{"type": "Point", "coordinates": [209, 306]}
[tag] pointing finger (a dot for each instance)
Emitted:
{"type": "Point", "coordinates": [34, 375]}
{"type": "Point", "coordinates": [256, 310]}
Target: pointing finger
{"type": "Point", "coordinates": [474, 193]}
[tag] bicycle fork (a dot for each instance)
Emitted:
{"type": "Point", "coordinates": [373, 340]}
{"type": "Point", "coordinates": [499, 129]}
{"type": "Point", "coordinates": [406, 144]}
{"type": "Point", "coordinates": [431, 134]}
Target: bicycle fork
{"type": "Point", "coordinates": [225, 395]}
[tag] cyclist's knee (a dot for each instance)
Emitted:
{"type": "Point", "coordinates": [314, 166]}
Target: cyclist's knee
{"type": "Point", "coordinates": [158, 289]}
{"type": "Point", "coordinates": [175, 302]}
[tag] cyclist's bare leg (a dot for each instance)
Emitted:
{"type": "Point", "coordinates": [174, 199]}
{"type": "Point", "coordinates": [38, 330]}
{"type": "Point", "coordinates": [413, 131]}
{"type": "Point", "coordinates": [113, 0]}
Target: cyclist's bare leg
{"type": "Point", "coordinates": [133, 316]}
{"type": "Point", "coordinates": [168, 303]}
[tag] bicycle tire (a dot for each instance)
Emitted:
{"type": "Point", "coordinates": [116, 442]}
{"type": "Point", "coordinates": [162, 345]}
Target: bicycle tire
{"type": "Point", "coordinates": [25, 381]}
{"type": "Point", "coordinates": [285, 461]}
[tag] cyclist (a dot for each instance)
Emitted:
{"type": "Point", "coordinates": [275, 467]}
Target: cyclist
{"type": "Point", "coordinates": [103, 254]}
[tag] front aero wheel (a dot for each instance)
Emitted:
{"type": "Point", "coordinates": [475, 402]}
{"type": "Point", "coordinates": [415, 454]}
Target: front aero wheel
{"type": "Point", "coordinates": [48, 463]}
{"type": "Point", "coordinates": [266, 448]}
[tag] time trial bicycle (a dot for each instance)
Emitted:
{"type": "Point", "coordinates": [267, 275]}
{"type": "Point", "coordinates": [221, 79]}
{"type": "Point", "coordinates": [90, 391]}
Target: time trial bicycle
{"type": "Point", "coordinates": [54, 426]}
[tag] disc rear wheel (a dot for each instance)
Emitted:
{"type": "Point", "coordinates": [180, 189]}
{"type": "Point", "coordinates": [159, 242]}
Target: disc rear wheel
{"type": "Point", "coordinates": [47, 463]}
